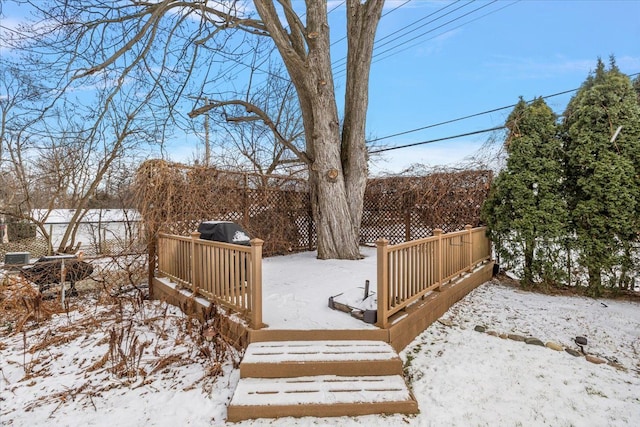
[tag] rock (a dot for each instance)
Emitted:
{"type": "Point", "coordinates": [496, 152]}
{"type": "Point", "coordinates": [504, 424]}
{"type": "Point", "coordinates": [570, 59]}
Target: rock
{"type": "Point", "coordinates": [446, 322]}
{"type": "Point", "coordinates": [479, 328]}
{"type": "Point", "coordinates": [516, 337]}
{"type": "Point", "coordinates": [503, 336]}
{"type": "Point", "coordinates": [534, 341]}
{"type": "Point", "coordinates": [573, 352]}
{"type": "Point", "coordinates": [492, 333]}
{"type": "Point", "coordinates": [594, 359]}
{"type": "Point", "coordinates": [617, 365]}
{"type": "Point", "coordinates": [554, 346]}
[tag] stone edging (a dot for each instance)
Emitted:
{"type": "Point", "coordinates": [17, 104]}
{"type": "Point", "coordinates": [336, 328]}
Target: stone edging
{"type": "Point", "coordinates": [550, 344]}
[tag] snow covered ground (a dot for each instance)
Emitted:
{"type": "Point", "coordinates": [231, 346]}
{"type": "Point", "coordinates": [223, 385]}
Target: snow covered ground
{"type": "Point", "coordinates": [137, 363]}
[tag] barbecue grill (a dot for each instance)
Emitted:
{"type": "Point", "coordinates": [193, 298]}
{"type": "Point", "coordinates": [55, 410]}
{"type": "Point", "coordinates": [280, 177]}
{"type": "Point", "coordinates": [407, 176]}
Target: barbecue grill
{"type": "Point", "coordinates": [224, 231]}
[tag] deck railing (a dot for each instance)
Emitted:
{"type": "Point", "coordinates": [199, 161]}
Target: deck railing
{"type": "Point", "coordinates": [223, 273]}
{"type": "Point", "coordinates": [410, 270]}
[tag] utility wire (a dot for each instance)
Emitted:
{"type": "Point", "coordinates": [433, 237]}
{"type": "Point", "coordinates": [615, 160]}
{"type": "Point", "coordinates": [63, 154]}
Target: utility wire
{"type": "Point", "coordinates": [438, 139]}
{"type": "Point", "coordinates": [335, 7]}
{"type": "Point", "coordinates": [564, 92]}
{"type": "Point", "coordinates": [405, 33]}
{"type": "Point", "coordinates": [239, 62]}
{"type": "Point", "coordinates": [437, 28]}
{"type": "Point", "coordinates": [392, 48]}
{"type": "Point", "coordinates": [443, 32]}
{"type": "Point", "coordinates": [465, 117]}
{"type": "Point", "coordinates": [419, 20]}
{"type": "Point", "coordinates": [340, 62]}
{"type": "Point", "coordinates": [382, 16]}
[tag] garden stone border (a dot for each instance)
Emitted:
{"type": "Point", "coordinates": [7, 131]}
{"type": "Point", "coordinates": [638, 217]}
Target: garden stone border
{"type": "Point", "coordinates": [550, 345]}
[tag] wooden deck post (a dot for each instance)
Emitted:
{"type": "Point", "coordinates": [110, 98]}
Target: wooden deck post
{"type": "Point", "coordinates": [194, 264]}
{"type": "Point", "coordinates": [438, 233]}
{"type": "Point", "coordinates": [383, 284]}
{"type": "Point", "coordinates": [470, 238]}
{"type": "Point", "coordinates": [256, 283]}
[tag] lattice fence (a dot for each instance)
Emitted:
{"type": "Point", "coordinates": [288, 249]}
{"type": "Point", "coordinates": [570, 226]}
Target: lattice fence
{"type": "Point", "coordinates": [408, 208]}
{"type": "Point", "coordinates": [36, 246]}
{"type": "Point", "coordinates": [175, 198]}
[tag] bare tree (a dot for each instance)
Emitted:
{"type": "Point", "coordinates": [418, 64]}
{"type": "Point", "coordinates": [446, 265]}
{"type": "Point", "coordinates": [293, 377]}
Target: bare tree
{"type": "Point", "coordinates": [337, 158]}
{"type": "Point", "coordinates": [18, 95]}
{"type": "Point", "coordinates": [51, 158]}
{"type": "Point", "coordinates": [259, 144]}
{"type": "Point", "coordinates": [156, 53]}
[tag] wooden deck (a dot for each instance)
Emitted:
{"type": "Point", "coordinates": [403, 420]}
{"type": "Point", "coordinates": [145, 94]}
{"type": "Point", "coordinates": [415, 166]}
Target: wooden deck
{"type": "Point", "coordinates": [328, 371]}
{"type": "Point", "coordinates": [279, 380]}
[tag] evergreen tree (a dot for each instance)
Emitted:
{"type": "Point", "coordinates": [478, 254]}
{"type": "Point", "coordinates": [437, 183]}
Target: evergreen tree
{"type": "Point", "coordinates": [525, 211]}
{"type": "Point", "coordinates": [603, 173]}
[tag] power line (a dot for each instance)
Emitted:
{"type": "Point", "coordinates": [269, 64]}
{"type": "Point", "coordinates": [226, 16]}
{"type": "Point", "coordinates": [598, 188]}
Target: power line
{"type": "Point", "coordinates": [382, 16]}
{"type": "Point", "coordinates": [438, 27]}
{"type": "Point", "coordinates": [465, 117]}
{"type": "Point", "coordinates": [392, 48]}
{"type": "Point", "coordinates": [564, 92]}
{"type": "Point", "coordinates": [335, 7]}
{"type": "Point", "coordinates": [437, 139]}
{"type": "Point", "coordinates": [443, 32]}
{"type": "Point", "coordinates": [238, 62]}
{"type": "Point", "coordinates": [404, 31]}
{"type": "Point", "coordinates": [340, 62]}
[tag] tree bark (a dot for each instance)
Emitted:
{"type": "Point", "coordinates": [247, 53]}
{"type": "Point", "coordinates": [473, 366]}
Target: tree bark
{"type": "Point", "coordinates": [338, 163]}
{"type": "Point", "coordinates": [362, 20]}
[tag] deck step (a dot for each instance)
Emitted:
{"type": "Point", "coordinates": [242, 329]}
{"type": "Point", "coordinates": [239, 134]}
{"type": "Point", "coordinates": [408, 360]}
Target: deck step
{"type": "Point", "coordinates": [287, 359]}
{"type": "Point", "coordinates": [320, 379]}
{"type": "Point", "coordinates": [320, 396]}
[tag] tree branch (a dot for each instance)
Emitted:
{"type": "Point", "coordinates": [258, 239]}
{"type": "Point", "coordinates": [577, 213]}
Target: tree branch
{"type": "Point", "coordinates": [259, 114]}
{"type": "Point", "coordinates": [291, 53]}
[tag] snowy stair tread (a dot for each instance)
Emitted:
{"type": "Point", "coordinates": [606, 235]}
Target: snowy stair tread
{"type": "Point", "coordinates": [302, 358]}
{"type": "Point", "coordinates": [320, 379]}
{"type": "Point", "coordinates": [325, 389]}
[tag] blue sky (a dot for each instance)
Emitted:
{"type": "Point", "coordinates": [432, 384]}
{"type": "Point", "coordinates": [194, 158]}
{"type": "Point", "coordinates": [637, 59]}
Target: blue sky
{"type": "Point", "coordinates": [485, 60]}
{"type": "Point", "coordinates": [529, 49]}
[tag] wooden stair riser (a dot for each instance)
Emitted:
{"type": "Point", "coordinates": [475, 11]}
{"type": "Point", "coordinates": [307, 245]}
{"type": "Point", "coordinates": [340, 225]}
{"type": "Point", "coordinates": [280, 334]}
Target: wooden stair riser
{"type": "Point", "coordinates": [302, 369]}
{"type": "Point", "coordinates": [241, 413]}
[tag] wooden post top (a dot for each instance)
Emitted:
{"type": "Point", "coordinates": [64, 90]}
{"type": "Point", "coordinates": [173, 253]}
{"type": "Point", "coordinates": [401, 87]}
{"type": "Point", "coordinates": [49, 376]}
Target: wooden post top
{"type": "Point", "coordinates": [256, 242]}
{"type": "Point", "coordinates": [382, 242]}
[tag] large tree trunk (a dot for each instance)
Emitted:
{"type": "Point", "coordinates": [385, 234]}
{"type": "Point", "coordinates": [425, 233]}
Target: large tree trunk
{"type": "Point", "coordinates": [362, 20]}
{"type": "Point", "coordinates": [338, 234]}
{"type": "Point", "coordinates": [338, 163]}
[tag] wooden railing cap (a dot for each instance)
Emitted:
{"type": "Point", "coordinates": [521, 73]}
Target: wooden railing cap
{"type": "Point", "coordinates": [256, 242]}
